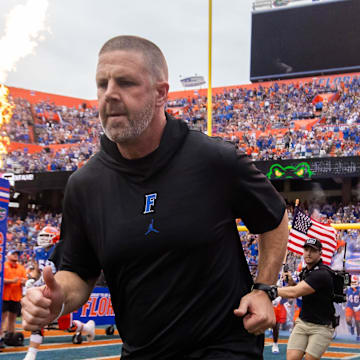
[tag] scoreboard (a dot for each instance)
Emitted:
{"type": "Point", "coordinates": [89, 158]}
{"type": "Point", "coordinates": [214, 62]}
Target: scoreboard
{"type": "Point", "coordinates": [315, 39]}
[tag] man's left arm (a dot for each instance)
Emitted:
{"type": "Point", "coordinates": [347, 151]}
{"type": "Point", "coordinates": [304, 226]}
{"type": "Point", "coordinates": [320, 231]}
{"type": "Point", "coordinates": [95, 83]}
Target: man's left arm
{"type": "Point", "coordinates": [272, 249]}
{"type": "Point", "coordinates": [256, 307]}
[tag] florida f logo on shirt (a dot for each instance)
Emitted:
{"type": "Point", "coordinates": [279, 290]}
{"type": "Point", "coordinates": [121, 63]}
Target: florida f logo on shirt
{"type": "Point", "coordinates": [150, 203]}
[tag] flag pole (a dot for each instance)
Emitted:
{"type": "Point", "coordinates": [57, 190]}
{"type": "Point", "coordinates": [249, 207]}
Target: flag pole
{"type": "Point", "coordinates": [344, 258]}
{"type": "Point", "coordinates": [297, 202]}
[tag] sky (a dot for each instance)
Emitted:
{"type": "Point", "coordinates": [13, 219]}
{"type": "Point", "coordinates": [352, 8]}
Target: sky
{"type": "Point", "coordinates": [65, 56]}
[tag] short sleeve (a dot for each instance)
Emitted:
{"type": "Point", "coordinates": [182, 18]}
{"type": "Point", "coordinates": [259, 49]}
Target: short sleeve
{"type": "Point", "coordinates": [319, 279]}
{"type": "Point", "coordinates": [255, 200]}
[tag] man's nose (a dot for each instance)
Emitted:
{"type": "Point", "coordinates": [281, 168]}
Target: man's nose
{"type": "Point", "coordinates": [112, 91]}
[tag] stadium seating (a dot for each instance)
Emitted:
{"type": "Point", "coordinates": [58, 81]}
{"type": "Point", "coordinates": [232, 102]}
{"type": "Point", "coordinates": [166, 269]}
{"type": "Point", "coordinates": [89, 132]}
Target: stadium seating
{"type": "Point", "coordinates": [283, 120]}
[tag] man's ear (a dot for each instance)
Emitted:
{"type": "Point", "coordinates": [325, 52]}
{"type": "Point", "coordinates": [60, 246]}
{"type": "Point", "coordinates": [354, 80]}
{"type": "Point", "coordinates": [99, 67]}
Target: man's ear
{"type": "Point", "coordinates": [162, 90]}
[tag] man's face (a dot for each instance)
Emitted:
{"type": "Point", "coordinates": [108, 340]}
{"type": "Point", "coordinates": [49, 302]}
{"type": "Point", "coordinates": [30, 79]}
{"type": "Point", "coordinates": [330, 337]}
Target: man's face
{"type": "Point", "coordinates": [311, 255]}
{"type": "Point", "coordinates": [14, 257]}
{"type": "Point", "coordinates": [126, 95]}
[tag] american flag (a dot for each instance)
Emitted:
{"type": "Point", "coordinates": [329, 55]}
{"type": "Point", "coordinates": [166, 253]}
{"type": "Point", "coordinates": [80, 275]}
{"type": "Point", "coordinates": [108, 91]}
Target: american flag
{"type": "Point", "coordinates": [304, 227]}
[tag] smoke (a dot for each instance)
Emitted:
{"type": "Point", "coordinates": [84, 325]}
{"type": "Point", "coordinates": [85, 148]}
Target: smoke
{"type": "Point", "coordinates": [24, 29]}
{"type": "Point", "coordinates": [318, 192]}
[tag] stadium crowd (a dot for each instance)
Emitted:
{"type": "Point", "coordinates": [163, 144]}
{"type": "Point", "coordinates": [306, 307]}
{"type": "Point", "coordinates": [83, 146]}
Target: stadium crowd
{"type": "Point", "coordinates": [263, 120]}
{"type": "Point", "coordinates": [22, 232]}
{"type": "Point", "coordinates": [64, 159]}
{"type": "Point", "coordinates": [282, 121]}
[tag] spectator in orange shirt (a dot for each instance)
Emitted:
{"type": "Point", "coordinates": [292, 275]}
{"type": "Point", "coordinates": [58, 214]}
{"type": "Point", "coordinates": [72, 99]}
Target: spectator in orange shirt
{"type": "Point", "coordinates": [14, 279]}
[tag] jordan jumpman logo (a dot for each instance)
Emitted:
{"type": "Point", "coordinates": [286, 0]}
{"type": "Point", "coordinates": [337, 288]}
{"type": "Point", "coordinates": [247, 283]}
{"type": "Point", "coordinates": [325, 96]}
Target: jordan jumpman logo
{"type": "Point", "coordinates": [151, 228]}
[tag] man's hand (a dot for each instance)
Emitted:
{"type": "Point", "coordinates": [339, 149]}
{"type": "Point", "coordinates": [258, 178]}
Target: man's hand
{"type": "Point", "coordinates": [286, 276]}
{"type": "Point", "coordinates": [41, 305]}
{"type": "Point", "coordinates": [258, 312]}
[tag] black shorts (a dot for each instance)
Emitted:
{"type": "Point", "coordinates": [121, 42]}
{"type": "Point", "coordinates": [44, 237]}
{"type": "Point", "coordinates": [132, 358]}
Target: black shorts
{"type": "Point", "coordinates": [12, 306]}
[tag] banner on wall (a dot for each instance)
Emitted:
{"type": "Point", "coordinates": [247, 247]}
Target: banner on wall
{"type": "Point", "coordinates": [310, 168]}
{"type": "Point", "coordinates": [4, 207]}
{"type": "Point", "coordinates": [97, 308]}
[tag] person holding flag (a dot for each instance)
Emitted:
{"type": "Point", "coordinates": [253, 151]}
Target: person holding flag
{"type": "Point", "coordinates": [315, 326]}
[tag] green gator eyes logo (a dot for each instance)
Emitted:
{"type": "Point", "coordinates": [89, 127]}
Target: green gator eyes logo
{"type": "Point", "coordinates": [301, 171]}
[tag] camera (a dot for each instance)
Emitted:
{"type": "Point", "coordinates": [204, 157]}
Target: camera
{"type": "Point", "coordinates": [347, 279]}
{"type": "Point", "coordinates": [341, 280]}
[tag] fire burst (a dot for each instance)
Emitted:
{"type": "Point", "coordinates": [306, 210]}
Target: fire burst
{"type": "Point", "coordinates": [24, 28]}
{"type": "Point", "coordinates": [6, 111]}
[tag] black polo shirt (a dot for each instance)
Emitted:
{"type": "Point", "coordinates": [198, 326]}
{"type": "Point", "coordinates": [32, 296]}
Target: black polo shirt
{"type": "Point", "coordinates": [163, 230]}
{"type": "Point", "coordinates": [318, 308]}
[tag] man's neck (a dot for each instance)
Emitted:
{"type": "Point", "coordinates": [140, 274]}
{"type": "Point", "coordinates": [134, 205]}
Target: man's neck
{"type": "Point", "coordinates": [311, 266]}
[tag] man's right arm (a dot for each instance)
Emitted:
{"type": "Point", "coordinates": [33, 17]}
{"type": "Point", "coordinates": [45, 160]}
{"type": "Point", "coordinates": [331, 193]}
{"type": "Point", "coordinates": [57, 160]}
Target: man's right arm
{"type": "Point", "coordinates": [76, 290]}
{"type": "Point", "coordinates": [42, 305]}
{"type": "Point", "coordinates": [300, 289]}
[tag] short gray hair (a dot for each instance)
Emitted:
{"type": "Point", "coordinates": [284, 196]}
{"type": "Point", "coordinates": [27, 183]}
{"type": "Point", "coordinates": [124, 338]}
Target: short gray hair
{"type": "Point", "coordinates": [152, 54]}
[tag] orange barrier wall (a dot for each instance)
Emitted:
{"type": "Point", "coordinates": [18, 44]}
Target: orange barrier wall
{"type": "Point", "coordinates": [37, 96]}
{"type": "Point", "coordinates": [33, 148]}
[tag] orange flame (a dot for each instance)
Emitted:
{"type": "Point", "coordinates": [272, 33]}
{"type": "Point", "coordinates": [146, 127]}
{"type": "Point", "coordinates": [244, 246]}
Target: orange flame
{"type": "Point", "coordinates": [6, 111]}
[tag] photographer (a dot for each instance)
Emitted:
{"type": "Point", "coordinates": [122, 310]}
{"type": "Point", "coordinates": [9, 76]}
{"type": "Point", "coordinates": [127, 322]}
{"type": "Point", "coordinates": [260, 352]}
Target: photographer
{"type": "Point", "coordinates": [314, 328]}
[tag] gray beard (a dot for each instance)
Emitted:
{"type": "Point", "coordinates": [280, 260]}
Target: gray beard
{"type": "Point", "coordinates": [137, 124]}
